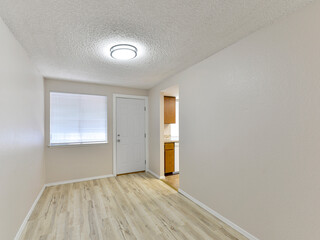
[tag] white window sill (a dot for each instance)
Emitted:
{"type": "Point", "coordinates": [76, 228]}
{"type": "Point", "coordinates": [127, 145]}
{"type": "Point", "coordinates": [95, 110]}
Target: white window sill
{"type": "Point", "coordinates": [74, 144]}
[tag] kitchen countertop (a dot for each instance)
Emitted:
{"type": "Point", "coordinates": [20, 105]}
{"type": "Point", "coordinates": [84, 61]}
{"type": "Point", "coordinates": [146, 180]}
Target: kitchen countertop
{"type": "Point", "coordinates": [171, 139]}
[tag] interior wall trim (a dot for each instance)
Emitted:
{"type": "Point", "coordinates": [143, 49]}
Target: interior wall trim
{"type": "Point", "coordinates": [25, 221]}
{"type": "Point", "coordinates": [219, 216]}
{"type": "Point", "coordinates": [77, 180]}
{"type": "Point", "coordinates": [155, 175]}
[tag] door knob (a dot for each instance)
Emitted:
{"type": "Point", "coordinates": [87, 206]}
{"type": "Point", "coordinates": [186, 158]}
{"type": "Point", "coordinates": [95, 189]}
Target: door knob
{"type": "Point", "coordinates": [118, 140]}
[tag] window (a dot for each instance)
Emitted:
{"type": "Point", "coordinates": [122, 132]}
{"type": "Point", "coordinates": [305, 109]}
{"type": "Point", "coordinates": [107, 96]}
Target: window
{"type": "Point", "coordinates": [175, 127]}
{"type": "Point", "coordinates": [77, 118]}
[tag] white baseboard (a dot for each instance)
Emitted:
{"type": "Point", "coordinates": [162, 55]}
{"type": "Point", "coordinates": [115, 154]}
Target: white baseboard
{"type": "Point", "coordinates": [155, 175]}
{"type": "Point", "coordinates": [78, 180]}
{"type": "Point", "coordinates": [24, 223]}
{"type": "Point", "coordinates": [219, 216]}
{"type": "Point", "coordinates": [152, 173]}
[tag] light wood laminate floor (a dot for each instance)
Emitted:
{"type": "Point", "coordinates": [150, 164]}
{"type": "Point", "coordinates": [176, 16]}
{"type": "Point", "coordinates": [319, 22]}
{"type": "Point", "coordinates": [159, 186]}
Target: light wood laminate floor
{"type": "Point", "coordinates": [172, 180]}
{"type": "Point", "coordinates": [135, 206]}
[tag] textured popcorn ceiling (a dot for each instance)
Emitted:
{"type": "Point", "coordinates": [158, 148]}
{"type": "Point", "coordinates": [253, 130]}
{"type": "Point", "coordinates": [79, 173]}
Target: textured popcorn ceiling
{"type": "Point", "coordinates": [71, 39]}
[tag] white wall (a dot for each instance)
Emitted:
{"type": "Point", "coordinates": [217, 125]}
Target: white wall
{"type": "Point", "coordinates": [250, 129]}
{"type": "Point", "coordinates": [21, 134]}
{"type": "Point", "coordinates": [81, 161]}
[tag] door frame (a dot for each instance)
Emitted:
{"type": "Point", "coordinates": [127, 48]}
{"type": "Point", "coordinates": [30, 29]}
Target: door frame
{"type": "Point", "coordinates": [114, 142]}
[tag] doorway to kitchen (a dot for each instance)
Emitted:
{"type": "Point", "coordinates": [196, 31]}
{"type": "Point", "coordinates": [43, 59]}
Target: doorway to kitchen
{"type": "Point", "coordinates": [170, 136]}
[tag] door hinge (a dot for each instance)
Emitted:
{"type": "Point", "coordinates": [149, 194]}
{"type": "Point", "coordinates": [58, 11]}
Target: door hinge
{"type": "Point", "coordinates": [145, 161]}
{"type": "Point", "coordinates": [145, 108]}
{"type": "Point", "coordinates": [145, 135]}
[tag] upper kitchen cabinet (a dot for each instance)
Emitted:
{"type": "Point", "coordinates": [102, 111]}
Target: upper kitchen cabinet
{"type": "Point", "coordinates": [169, 110]}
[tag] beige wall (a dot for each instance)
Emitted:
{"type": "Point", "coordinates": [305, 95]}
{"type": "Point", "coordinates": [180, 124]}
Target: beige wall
{"type": "Point", "coordinates": [21, 134]}
{"type": "Point", "coordinates": [81, 161]}
{"type": "Point", "coordinates": [250, 129]}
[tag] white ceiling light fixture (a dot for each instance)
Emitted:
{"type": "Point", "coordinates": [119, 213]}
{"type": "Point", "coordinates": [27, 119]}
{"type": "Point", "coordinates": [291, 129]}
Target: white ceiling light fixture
{"type": "Point", "coordinates": [123, 52]}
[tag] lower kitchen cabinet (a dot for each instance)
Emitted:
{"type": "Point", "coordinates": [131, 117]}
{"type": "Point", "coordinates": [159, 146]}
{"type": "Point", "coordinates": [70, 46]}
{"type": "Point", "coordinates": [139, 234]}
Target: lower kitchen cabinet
{"type": "Point", "coordinates": [168, 157]}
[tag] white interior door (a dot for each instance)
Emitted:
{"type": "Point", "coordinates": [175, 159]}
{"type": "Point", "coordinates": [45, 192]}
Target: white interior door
{"type": "Point", "coordinates": [130, 144]}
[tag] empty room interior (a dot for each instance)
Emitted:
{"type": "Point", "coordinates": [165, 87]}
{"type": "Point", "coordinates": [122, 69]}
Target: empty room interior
{"type": "Point", "coordinates": [160, 120]}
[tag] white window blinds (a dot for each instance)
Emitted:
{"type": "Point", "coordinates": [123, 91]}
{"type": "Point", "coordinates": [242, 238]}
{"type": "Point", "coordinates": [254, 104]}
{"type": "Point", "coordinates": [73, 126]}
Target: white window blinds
{"type": "Point", "coordinates": [77, 118]}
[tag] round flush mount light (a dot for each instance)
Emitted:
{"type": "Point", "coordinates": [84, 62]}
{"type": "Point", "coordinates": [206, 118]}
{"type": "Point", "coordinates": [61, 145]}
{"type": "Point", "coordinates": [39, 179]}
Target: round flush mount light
{"type": "Point", "coordinates": [123, 52]}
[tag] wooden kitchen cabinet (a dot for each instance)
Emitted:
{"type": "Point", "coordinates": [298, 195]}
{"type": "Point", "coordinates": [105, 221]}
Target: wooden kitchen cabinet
{"type": "Point", "coordinates": [168, 157]}
{"type": "Point", "coordinates": [169, 110]}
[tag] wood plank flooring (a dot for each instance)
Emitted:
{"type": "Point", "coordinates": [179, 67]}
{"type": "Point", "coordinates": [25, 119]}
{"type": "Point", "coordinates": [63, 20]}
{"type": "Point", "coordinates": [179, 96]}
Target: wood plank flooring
{"type": "Point", "coordinates": [172, 180]}
{"type": "Point", "coordinates": [135, 206]}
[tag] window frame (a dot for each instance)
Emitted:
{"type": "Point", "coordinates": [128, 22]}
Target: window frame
{"type": "Point", "coordinates": [76, 143]}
